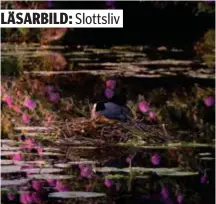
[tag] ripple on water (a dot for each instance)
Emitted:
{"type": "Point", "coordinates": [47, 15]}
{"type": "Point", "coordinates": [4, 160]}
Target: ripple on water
{"type": "Point", "coordinates": [76, 194]}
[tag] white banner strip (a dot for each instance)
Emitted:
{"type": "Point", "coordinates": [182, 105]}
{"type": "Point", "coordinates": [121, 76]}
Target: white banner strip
{"type": "Point", "coordinates": [101, 18]}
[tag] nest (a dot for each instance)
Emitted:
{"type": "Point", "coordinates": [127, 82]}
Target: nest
{"type": "Point", "coordinates": [82, 131]}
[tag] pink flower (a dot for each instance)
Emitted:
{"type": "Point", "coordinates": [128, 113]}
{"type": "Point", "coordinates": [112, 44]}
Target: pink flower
{"type": "Point", "coordinates": [152, 115]}
{"type": "Point", "coordinates": [49, 89]}
{"type": "Point", "coordinates": [108, 183]}
{"type": "Point", "coordinates": [129, 159]}
{"type": "Point", "coordinates": [155, 159]}
{"type": "Point", "coordinates": [204, 179]}
{"type": "Point", "coordinates": [86, 172]}
{"type": "Point", "coordinates": [17, 157]}
{"type": "Point", "coordinates": [82, 166]}
{"type": "Point", "coordinates": [164, 192]}
{"type": "Point", "coordinates": [29, 143]}
{"type": "Point", "coordinates": [19, 93]}
{"type": "Point", "coordinates": [30, 104]}
{"type": "Point", "coordinates": [26, 198]}
{"type": "Point", "coordinates": [36, 197]}
{"type": "Point", "coordinates": [11, 196]}
{"type": "Point", "coordinates": [39, 150]}
{"type": "Point", "coordinates": [209, 101]}
{"type": "Point", "coordinates": [17, 109]}
{"type": "Point", "coordinates": [179, 198]}
{"type": "Point", "coordinates": [54, 97]}
{"type": "Point", "coordinates": [61, 187]}
{"type": "Point", "coordinates": [25, 118]}
{"type": "Point", "coordinates": [111, 84]}
{"type": "Point", "coordinates": [143, 107]}
{"type": "Point", "coordinates": [36, 185]}
{"type": "Point", "coordinates": [109, 93]}
{"type": "Point", "coordinates": [51, 182]}
{"type": "Point", "coordinates": [8, 100]}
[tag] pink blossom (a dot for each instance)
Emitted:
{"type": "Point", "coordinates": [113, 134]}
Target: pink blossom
{"type": "Point", "coordinates": [29, 143]}
{"type": "Point", "coordinates": [19, 93]}
{"type": "Point", "coordinates": [8, 100]}
{"type": "Point", "coordinates": [61, 187]}
{"type": "Point", "coordinates": [82, 166]}
{"type": "Point", "coordinates": [11, 196]}
{"type": "Point", "coordinates": [209, 101]}
{"type": "Point", "coordinates": [152, 115]}
{"type": "Point", "coordinates": [36, 185]}
{"type": "Point", "coordinates": [51, 182]}
{"type": "Point", "coordinates": [164, 192]}
{"type": "Point", "coordinates": [143, 107]}
{"type": "Point", "coordinates": [26, 198]}
{"type": "Point", "coordinates": [204, 179]}
{"type": "Point", "coordinates": [111, 84]}
{"type": "Point", "coordinates": [48, 89]}
{"type": "Point", "coordinates": [25, 118]}
{"type": "Point", "coordinates": [30, 104]}
{"type": "Point", "coordinates": [129, 159]}
{"type": "Point", "coordinates": [108, 183]}
{"type": "Point", "coordinates": [39, 150]}
{"type": "Point", "coordinates": [155, 159]}
{"type": "Point", "coordinates": [17, 109]}
{"type": "Point", "coordinates": [36, 197]}
{"type": "Point", "coordinates": [179, 199]}
{"type": "Point", "coordinates": [109, 93]}
{"type": "Point", "coordinates": [86, 172]}
{"type": "Point", "coordinates": [54, 97]}
{"type": "Point", "coordinates": [17, 157]}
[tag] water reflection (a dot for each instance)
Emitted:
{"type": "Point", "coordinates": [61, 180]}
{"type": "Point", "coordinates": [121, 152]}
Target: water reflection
{"type": "Point", "coordinates": [146, 175]}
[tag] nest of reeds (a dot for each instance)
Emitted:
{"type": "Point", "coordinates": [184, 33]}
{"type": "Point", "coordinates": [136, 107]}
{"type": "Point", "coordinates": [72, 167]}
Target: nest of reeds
{"type": "Point", "coordinates": [82, 131]}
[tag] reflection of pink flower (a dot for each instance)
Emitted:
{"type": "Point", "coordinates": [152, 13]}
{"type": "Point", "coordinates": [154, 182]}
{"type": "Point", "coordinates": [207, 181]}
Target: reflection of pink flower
{"type": "Point", "coordinates": [86, 172]}
{"type": "Point", "coordinates": [109, 93]}
{"type": "Point", "coordinates": [25, 118]}
{"type": "Point", "coordinates": [108, 183]}
{"type": "Point", "coordinates": [209, 101]}
{"type": "Point", "coordinates": [152, 115]}
{"type": "Point", "coordinates": [204, 179]}
{"type": "Point", "coordinates": [30, 104]}
{"type": "Point", "coordinates": [11, 196]}
{"type": "Point", "coordinates": [179, 199]}
{"type": "Point", "coordinates": [155, 159]}
{"type": "Point", "coordinates": [17, 157]}
{"type": "Point", "coordinates": [54, 97]}
{"type": "Point", "coordinates": [143, 107]}
{"type": "Point", "coordinates": [36, 185]}
{"type": "Point", "coordinates": [111, 84]}
{"type": "Point", "coordinates": [164, 192]}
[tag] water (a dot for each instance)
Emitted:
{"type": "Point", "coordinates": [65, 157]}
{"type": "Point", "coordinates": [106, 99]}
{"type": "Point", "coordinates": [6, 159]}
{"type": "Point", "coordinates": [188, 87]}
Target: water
{"type": "Point", "coordinates": [78, 164]}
